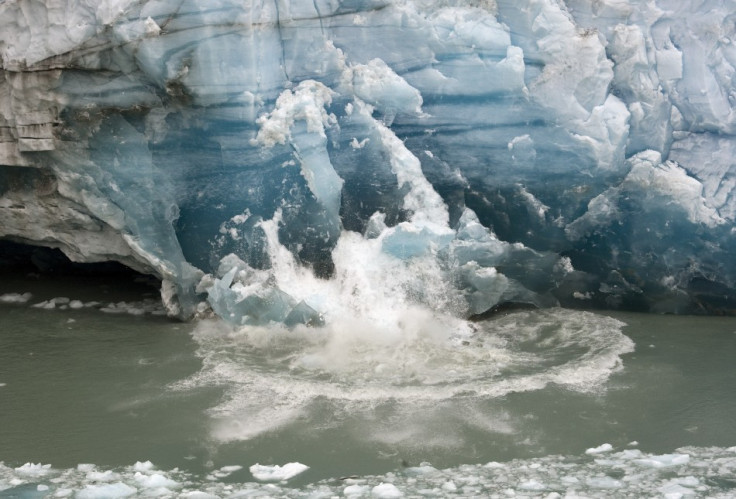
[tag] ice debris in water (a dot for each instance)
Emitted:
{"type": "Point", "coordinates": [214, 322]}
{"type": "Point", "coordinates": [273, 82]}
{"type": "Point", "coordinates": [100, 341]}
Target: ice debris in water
{"type": "Point", "coordinates": [600, 449]}
{"type": "Point", "coordinates": [591, 141]}
{"type": "Point", "coordinates": [142, 307]}
{"type": "Point", "coordinates": [224, 471]}
{"type": "Point", "coordinates": [15, 297]}
{"type": "Point", "coordinates": [688, 472]}
{"type": "Point", "coordinates": [386, 491]}
{"type": "Point", "coordinates": [276, 473]}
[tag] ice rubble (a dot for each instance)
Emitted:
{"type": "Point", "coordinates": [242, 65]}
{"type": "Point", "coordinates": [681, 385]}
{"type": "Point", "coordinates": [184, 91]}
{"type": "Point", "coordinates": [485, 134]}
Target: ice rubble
{"type": "Point", "coordinates": [690, 472]}
{"type": "Point", "coordinates": [538, 151]}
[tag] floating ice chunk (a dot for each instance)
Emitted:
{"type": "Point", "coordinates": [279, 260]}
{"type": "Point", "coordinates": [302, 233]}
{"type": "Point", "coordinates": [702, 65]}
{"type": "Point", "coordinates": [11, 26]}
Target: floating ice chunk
{"type": "Point", "coordinates": [449, 486]}
{"type": "Point", "coordinates": [143, 466]}
{"type": "Point", "coordinates": [15, 297]}
{"type": "Point", "coordinates": [231, 469]}
{"type": "Point", "coordinates": [423, 469]}
{"type": "Point", "coordinates": [277, 473]}
{"type": "Point", "coordinates": [664, 461]}
{"type": "Point", "coordinates": [34, 470]}
{"type": "Point", "coordinates": [113, 490]}
{"type": "Point", "coordinates": [600, 449]}
{"type": "Point", "coordinates": [155, 481]}
{"type": "Point", "coordinates": [46, 305]}
{"type": "Point", "coordinates": [102, 476]}
{"type": "Point", "coordinates": [604, 482]}
{"type": "Point", "coordinates": [223, 472]}
{"type": "Point", "coordinates": [196, 494]}
{"type": "Point", "coordinates": [355, 490]}
{"type": "Point", "coordinates": [532, 485]}
{"type": "Point", "coordinates": [386, 491]}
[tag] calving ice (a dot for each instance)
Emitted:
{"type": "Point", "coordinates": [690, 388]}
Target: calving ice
{"type": "Point", "coordinates": [304, 162]}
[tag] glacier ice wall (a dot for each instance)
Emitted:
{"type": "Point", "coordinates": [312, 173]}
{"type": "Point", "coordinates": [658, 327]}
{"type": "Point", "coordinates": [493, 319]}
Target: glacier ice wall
{"type": "Point", "coordinates": [266, 159]}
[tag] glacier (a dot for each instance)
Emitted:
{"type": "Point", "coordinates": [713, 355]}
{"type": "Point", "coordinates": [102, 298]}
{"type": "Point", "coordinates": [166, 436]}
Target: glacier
{"type": "Point", "coordinates": [271, 161]}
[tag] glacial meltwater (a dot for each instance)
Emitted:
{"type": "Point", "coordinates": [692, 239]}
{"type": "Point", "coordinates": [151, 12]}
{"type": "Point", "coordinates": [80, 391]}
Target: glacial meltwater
{"type": "Point", "coordinates": [103, 397]}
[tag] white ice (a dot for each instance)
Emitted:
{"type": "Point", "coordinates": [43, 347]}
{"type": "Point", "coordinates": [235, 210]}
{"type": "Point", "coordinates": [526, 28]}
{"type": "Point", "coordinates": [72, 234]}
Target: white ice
{"type": "Point", "coordinates": [276, 473]}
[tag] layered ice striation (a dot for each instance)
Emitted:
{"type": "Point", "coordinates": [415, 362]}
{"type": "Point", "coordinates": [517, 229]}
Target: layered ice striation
{"type": "Point", "coordinates": [267, 159]}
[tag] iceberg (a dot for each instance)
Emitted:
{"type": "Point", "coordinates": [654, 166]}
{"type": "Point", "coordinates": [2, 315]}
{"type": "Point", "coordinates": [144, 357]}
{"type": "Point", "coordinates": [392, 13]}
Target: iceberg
{"type": "Point", "coordinates": [264, 159]}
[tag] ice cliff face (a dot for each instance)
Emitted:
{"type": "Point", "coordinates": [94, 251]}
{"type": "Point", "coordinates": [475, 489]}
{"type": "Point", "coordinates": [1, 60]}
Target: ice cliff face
{"type": "Point", "coordinates": [455, 153]}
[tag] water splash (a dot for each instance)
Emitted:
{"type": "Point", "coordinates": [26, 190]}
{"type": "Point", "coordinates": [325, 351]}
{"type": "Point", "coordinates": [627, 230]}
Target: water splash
{"type": "Point", "coordinates": [273, 375]}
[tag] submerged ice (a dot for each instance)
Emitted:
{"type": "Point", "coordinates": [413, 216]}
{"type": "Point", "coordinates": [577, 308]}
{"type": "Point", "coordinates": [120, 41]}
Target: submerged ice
{"type": "Point", "coordinates": [304, 162]}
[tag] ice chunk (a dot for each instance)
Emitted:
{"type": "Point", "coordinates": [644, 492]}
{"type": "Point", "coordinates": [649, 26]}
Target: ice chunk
{"type": "Point", "coordinates": [15, 297]}
{"type": "Point", "coordinates": [600, 449]}
{"type": "Point", "coordinates": [277, 473]}
{"type": "Point", "coordinates": [34, 470]}
{"type": "Point", "coordinates": [386, 491]}
{"type": "Point", "coordinates": [378, 85]}
{"type": "Point", "coordinates": [113, 490]}
{"type": "Point", "coordinates": [664, 461]}
{"type": "Point", "coordinates": [355, 490]}
{"type": "Point", "coordinates": [143, 466]}
{"type": "Point", "coordinates": [155, 481]}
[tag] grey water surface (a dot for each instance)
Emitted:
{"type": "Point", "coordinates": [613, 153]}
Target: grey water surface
{"type": "Point", "coordinates": [87, 386]}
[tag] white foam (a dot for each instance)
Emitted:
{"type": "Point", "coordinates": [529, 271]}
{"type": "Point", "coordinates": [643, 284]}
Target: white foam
{"type": "Point", "coordinates": [414, 357]}
{"type": "Point", "coordinates": [277, 473]}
